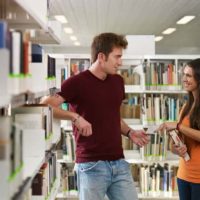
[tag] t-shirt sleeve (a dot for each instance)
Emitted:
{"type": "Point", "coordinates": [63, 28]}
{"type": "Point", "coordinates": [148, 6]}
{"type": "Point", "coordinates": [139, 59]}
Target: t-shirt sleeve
{"type": "Point", "coordinates": [123, 86]}
{"type": "Point", "coordinates": [70, 89]}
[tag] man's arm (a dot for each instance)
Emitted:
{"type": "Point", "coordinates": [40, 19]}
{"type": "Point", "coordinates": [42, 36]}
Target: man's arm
{"type": "Point", "coordinates": [137, 136]}
{"type": "Point", "coordinates": [124, 128]}
{"type": "Point", "coordinates": [55, 101]}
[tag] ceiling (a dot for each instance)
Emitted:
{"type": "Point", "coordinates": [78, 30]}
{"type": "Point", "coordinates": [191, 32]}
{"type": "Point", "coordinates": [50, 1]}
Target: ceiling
{"type": "Point", "coordinates": [132, 17]}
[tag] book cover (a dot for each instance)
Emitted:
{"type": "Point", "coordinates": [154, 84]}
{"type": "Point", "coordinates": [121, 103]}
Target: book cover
{"type": "Point", "coordinates": [178, 142]}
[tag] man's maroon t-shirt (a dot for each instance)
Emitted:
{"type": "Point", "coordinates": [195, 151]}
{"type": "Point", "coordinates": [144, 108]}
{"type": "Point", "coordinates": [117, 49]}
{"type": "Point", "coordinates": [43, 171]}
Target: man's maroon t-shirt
{"type": "Point", "coordinates": [98, 101]}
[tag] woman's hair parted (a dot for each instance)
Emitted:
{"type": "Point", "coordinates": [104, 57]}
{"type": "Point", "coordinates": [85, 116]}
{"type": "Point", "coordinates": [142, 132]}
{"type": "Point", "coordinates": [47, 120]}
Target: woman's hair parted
{"type": "Point", "coordinates": [105, 42]}
{"type": "Point", "coordinates": [195, 114]}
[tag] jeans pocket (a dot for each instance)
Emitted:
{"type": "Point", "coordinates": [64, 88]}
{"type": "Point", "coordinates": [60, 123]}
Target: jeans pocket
{"type": "Point", "coordinates": [84, 167]}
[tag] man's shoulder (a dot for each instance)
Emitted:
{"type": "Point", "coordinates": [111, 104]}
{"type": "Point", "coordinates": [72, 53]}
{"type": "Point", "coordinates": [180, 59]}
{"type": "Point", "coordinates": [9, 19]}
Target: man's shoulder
{"type": "Point", "coordinates": [79, 75]}
{"type": "Point", "coordinates": [117, 76]}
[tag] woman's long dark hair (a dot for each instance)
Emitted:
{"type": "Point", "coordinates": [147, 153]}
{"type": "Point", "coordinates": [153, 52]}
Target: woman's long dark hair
{"type": "Point", "coordinates": [195, 114]}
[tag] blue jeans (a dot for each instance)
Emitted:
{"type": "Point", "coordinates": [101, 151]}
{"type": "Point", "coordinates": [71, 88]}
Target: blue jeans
{"type": "Point", "coordinates": [188, 190]}
{"type": "Point", "coordinates": [111, 178]}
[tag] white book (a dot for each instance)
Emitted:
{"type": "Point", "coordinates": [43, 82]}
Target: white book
{"type": "Point", "coordinates": [4, 72]}
{"type": "Point", "coordinates": [33, 143]}
{"type": "Point", "coordinates": [44, 110]}
{"type": "Point", "coordinates": [5, 129]}
{"type": "Point", "coordinates": [178, 142]}
{"type": "Point", "coordinates": [157, 109]}
{"type": "Point", "coordinates": [29, 121]}
{"type": "Point", "coordinates": [16, 52]}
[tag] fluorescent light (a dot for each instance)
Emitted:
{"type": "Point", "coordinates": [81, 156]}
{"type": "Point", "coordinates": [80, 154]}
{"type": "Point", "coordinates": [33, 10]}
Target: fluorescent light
{"type": "Point", "coordinates": [73, 38]}
{"type": "Point", "coordinates": [77, 43]}
{"type": "Point", "coordinates": [158, 38]}
{"type": "Point", "coordinates": [185, 19]}
{"type": "Point", "coordinates": [68, 30]}
{"type": "Point", "coordinates": [61, 18]}
{"type": "Point", "coordinates": [168, 31]}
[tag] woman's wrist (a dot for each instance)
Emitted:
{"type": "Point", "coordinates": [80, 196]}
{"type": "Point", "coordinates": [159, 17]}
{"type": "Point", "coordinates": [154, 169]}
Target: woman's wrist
{"type": "Point", "coordinates": [178, 126]}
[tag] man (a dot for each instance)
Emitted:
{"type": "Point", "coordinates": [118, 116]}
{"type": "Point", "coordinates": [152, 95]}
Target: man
{"type": "Point", "coordinates": [95, 96]}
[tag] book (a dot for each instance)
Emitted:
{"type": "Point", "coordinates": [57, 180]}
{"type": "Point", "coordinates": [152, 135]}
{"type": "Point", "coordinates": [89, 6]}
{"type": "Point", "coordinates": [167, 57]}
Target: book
{"type": "Point", "coordinates": [17, 52]}
{"type": "Point", "coordinates": [178, 142]}
{"type": "Point", "coordinates": [3, 34]}
{"type": "Point", "coordinates": [36, 53]}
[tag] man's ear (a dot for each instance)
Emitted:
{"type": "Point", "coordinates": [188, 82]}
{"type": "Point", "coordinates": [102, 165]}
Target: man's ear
{"type": "Point", "coordinates": [101, 57]}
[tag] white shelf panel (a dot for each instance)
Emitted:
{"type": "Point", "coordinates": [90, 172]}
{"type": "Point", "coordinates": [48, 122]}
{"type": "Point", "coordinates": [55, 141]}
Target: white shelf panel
{"type": "Point", "coordinates": [29, 17]}
{"type": "Point", "coordinates": [134, 157]}
{"type": "Point", "coordinates": [133, 89]}
{"type": "Point", "coordinates": [165, 92]}
{"type": "Point", "coordinates": [72, 195]}
{"type": "Point", "coordinates": [4, 101]}
{"type": "Point", "coordinates": [67, 161]}
{"type": "Point", "coordinates": [32, 8]}
{"type": "Point", "coordinates": [161, 196]}
{"type": "Point", "coordinates": [132, 121]}
{"type": "Point", "coordinates": [137, 89]}
{"type": "Point", "coordinates": [32, 166]}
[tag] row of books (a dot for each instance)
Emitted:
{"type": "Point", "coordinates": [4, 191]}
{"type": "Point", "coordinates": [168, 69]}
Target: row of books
{"type": "Point", "coordinates": [44, 180]}
{"type": "Point", "coordinates": [11, 159]}
{"type": "Point", "coordinates": [130, 111]}
{"type": "Point", "coordinates": [155, 178]}
{"type": "Point", "coordinates": [25, 65]}
{"type": "Point", "coordinates": [130, 78]}
{"type": "Point", "coordinates": [68, 145]}
{"type": "Point", "coordinates": [158, 74]}
{"type": "Point", "coordinates": [157, 148]}
{"type": "Point", "coordinates": [68, 179]}
{"type": "Point", "coordinates": [35, 117]}
{"type": "Point", "coordinates": [157, 109]}
{"type": "Point", "coordinates": [28, 127]}
{"type": "Point", "coordinates": [62, 71]}
{"type": "Point", "coordinates": [22, 51]}
{"type": "Point", "coordinates": [45, 183]}
{"type": "Point", "coordinates": [127, 144]}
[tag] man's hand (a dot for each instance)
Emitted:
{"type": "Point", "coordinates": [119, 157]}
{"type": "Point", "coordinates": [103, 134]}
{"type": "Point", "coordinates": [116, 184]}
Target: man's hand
{"type": "Point", "coordinates": [83, 126]}
{"type": "Point", "coordinates": [139, 137]}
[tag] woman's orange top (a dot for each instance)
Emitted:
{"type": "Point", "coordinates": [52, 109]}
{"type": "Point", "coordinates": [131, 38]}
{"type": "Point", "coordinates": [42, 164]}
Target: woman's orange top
{"type": "Point", "coordinates": [190, 170]}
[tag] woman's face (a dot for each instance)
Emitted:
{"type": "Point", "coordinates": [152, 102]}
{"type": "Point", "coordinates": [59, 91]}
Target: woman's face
{"type": "Point", "coordinates": [189, 83]}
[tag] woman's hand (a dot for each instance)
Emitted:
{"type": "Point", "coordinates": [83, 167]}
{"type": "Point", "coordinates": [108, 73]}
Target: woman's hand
{"type": "Point", "coordinates": [181, 151]}
{"type": "Point", "coordinates": [167, 126]}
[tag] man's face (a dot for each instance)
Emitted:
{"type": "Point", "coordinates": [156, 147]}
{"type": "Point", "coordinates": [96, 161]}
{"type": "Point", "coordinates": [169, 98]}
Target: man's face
{"type": "Point", "coordinates": [113, 61]}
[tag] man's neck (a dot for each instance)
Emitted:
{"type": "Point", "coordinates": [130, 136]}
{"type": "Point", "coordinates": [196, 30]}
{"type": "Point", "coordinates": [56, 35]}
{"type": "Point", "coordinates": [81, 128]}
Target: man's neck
{"type": "Point", "coordinates": [95, 69]}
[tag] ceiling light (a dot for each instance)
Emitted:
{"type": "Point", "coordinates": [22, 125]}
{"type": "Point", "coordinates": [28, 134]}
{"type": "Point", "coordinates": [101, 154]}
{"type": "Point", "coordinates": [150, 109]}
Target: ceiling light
{"type": "Point", "coordinates": [158, 38]}
{"type": "Point", "coordinates": [185, 19]}
{"type": "Point", "coordinates": [73, 38]}
{"type": "Point", "coordinates": [168, 31]}
{"type": "Point", "coordinates": [61, 18]}
{"type": "Point", "coordinates": [77, 43]}
{"type": "Point", "coordinates": [68, 30]}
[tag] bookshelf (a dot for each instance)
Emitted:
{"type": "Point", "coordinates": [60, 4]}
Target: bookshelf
{"type": "Point", "coordinates": [24, 14]}
{"type": "Point", "coordinates": [153, 89]}
{"type": "Point", "coordinates": [28, 152]}
{"type": "Point", "coordinates": [137, 91]}
{"type": "Point", "coordinates": [150, 82]}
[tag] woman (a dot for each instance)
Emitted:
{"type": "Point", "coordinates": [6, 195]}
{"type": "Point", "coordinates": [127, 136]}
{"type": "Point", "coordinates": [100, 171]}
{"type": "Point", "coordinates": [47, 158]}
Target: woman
{"type": "Point", "coordinates": [189, 129]}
